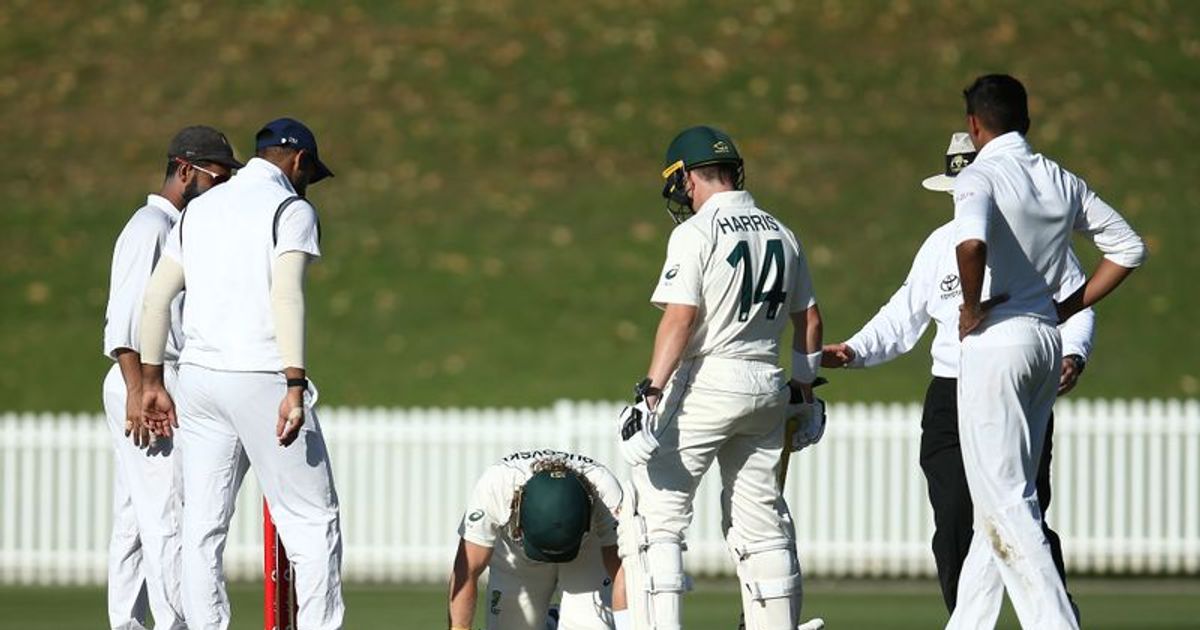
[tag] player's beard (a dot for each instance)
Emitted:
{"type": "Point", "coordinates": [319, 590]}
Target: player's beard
{"type": "Point", "coordinates": [191, 191]}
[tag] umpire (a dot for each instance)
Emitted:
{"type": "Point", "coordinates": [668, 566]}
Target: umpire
{"type": "Point", "coordinates": [932, 292]}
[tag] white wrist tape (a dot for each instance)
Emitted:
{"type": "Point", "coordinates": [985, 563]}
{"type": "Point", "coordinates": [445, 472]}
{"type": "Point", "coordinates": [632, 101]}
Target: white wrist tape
{"type": "Point", "coordinates": [805, 366]}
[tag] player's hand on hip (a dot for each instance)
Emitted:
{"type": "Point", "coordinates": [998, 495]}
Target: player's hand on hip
{"type": "Point", "coordinates": [135, 427]}
{"type": "Point", "coordinates": [158, 411]}
{"type": "Point", "coordinates": [291, 416]}
{"type": "Point", "coordinates": [837, 355]}
{"type": "Point", "coordinates": [971, 317]}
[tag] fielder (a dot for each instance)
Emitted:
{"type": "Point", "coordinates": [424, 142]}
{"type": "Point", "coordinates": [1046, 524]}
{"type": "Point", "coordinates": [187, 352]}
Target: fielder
{"type": "Point", "coordinates": [541, 521]}
{"type": "Point", "coordinates": [733, 277]}
{"type": "Point", "coordinates": [1014, 211]}
{"type": "Point", "coordinates": [244, 399]}
{"type": "Point", "coordinates": [931, 292]}
{"type": "Point", "coordinates": [144, 551]}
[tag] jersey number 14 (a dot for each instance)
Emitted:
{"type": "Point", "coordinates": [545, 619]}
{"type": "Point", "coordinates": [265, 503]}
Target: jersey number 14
{"type": "Point", "coordinates": [773, 267]}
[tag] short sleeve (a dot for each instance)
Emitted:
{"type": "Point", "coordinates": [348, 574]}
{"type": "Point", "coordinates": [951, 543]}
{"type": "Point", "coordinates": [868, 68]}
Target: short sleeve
{"type": "Point", "coordinates": [605, 514]}
{"type": "Point", "coordinates": [972, 206]}
{"type": "Point", "coordinates": [681, 281]}
{"type": "Point", "coordinates": [802, 286]}
{"type": "Point", "coordinates": [172, 247]}
{"type": "Point", "coordinates": [298, 230]}
{"type": "Point", "coordinates": [484, 521]}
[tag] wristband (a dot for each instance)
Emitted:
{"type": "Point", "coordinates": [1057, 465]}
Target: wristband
{"type": "Point", "coordinates": [301, 382]}
{"type": "Point", "coordinates": [1080, 362]}
{"type": "Point", "coordinates": [804, 366]}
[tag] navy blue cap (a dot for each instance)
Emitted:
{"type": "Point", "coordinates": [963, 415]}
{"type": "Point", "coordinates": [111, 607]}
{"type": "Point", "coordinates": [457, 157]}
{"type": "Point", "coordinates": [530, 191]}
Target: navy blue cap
{"type": "Point", "coordinates": [289, 132]}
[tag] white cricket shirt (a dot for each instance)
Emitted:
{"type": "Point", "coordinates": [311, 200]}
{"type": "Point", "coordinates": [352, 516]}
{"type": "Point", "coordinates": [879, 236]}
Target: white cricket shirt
{"type": "Point", "coordinates": [1024, 206]}
{"type": "Point", "coordinates": [225, 245]}
{"type": "Point", "coordinates": [490, 509]}
{"type": "Point", "coordinates": [932, 292]}
{"type": "Point", "coordinates": [746, 273]}
{"type": "Point", "coordinates": [136, 253]}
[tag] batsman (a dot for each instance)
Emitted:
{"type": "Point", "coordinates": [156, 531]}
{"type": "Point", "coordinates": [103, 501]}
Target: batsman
{"type": "Point", "coordinates": [541, 522]}
{"type": "Point", "coordinates": [733, 278]}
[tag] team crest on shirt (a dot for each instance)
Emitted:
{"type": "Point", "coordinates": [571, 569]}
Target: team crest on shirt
{"type": "Point", "coordinates": [672, 272]}
{"type": "Point", "coordinates": [475, 516]}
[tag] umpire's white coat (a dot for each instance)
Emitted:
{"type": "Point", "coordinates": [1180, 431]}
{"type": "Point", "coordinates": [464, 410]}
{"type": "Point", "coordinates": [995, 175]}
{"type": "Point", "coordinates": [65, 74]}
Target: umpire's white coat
{"type": "Point", "coordinates": [931, 292]}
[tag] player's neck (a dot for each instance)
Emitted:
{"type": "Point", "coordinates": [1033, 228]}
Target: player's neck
{"type": "Point", "coordinates": [703, 192]}
{"type": "Point", "coordinates": [172, 192]}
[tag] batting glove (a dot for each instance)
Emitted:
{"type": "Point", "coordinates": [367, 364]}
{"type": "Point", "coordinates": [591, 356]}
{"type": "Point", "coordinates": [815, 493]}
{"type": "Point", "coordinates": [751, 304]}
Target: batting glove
{"type": "Point", "coordinates": [810, 422]}
{"type": "Point", "coordinates": [638, 442]}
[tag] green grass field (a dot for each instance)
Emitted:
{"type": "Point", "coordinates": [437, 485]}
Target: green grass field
{"type": "Point", "coordinates": [495, 226]}
{"type": "Point", "coordinates": [1106, 605]}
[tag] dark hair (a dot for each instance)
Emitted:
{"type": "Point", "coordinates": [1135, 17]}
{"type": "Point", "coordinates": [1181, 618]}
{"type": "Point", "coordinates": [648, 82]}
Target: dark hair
{"type": "Point", "coordinates": [172, 166]}
{"type": "Point", "coordinates": [276, 152]}
{"type": "Point", "coordinates": [999, 102]}
{"type": "Point", "coordinates": [724, 172]}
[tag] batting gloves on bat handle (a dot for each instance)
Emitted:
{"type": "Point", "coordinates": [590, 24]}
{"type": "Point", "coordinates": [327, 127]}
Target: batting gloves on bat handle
{"type": "Point", "coordinates": [638, 442]}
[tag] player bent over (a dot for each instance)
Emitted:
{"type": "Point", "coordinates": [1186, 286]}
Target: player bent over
{"type": "Point", "coordinates": [541, 521]}
{"type": "Point", "coordinates": [734, 277]}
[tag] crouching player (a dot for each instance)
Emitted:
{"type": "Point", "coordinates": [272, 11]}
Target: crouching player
{"type": "Point", "coordinates": [541, 521]}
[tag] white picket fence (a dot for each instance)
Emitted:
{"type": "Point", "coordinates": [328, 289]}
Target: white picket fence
{"type": "Point", "coordinates": [1126, 488]}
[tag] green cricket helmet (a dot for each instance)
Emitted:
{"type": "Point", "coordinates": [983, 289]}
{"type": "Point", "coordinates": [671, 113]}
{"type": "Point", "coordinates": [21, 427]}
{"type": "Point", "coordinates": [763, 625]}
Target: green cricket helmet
{"type": "Point", "coordinates": [555, 513]}
{"type": "Point", "coordinates": [693, 147]}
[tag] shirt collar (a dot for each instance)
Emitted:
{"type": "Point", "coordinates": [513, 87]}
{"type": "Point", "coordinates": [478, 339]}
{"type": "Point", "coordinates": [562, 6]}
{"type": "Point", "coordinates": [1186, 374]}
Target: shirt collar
{"type": "Point", "coordinates": [1011, 142]}
{"type": "Point", "coordinates": [727, 199]}
{"type": "Point", "coordinates": [262, 169]}
{"type": "Point", "coordinates": [164, 205]}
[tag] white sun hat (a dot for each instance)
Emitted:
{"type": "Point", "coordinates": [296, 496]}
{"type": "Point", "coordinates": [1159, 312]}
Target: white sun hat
{"type": "Point", "coordinates": [960, 153]}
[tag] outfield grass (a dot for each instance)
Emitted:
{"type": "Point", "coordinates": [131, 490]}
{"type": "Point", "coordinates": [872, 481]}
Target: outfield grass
{"type": "Point", "coordinates": [494, 229]}
{"type": "Point", "coordinates": [1106, 605]}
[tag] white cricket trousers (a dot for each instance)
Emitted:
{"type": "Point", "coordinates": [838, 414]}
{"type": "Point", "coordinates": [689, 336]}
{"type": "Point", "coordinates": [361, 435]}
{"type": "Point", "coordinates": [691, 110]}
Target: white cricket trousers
{"type": "Point", "coordinates": [144, 551]}
{"type": "Point", "coordinates": [698, 423]}
{"type": "Point", "coordinates": [520, 590]}
{"type": "Point", "coordinates": [1008, 380]}
{"type": "Point", "coordinates": [226, 423]}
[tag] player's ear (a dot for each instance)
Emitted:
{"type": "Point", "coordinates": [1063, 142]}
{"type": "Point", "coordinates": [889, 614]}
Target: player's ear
{"type": "Point", "coordinates": [185, 173]}
{"type": "Point", "coordinates": [973, 125]}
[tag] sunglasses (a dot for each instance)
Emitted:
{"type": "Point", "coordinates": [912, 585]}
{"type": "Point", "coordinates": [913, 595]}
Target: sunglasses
{"type": "Point", "coordinates": [216, 177]}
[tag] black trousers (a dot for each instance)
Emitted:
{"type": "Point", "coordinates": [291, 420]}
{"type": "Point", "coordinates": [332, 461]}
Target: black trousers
{"type": "Point", "coordinates": [941, 460]}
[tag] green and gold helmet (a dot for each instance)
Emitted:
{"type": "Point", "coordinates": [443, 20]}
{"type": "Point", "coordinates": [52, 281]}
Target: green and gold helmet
{"type": "Point", "coordinates": [693, 147]}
